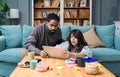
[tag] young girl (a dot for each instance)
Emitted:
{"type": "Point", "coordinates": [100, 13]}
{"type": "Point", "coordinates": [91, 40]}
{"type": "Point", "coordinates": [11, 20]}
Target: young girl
{"type": "Point", "coordinates": [75, 45]}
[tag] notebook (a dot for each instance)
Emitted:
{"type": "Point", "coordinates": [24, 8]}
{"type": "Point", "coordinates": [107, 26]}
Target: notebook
{"type": "Point", "coordinates": [54, 52]}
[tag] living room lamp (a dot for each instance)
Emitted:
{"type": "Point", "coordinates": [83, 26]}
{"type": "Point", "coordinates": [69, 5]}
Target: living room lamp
{"type": "Point", "coordinates": [14, 15]}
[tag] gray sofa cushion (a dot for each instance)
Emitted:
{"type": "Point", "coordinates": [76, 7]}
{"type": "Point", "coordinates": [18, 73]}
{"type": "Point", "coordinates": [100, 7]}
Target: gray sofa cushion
{"type": "Point", "coordinates": [106, 54]}
{"type": "Point", "coordinates": [11, 55]}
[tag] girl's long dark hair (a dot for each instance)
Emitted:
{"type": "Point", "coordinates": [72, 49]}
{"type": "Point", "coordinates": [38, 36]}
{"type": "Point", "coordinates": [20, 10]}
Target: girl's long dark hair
{"type": "Point", "coordinates": [81, 41]}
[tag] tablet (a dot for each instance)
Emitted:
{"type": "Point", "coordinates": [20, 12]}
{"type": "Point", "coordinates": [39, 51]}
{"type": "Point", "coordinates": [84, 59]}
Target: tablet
{"type": "Point", "coordinates": [54, 52]}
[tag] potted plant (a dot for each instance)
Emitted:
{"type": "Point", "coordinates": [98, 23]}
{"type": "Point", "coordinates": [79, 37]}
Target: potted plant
{"type": "Point", "coordinates": [4, 12]}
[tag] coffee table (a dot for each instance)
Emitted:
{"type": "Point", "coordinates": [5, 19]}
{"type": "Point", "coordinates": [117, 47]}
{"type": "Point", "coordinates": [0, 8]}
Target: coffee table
{"type": "Point", "coordinates": [55, 72]}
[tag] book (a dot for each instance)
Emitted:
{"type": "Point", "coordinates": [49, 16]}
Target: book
{"type": "Point", "coordinates": [37, 22]}
{"type": "Point", "coordinates": [39, 5]}
{"type": "Point", "coordinates": [55, 3]}
{"type": "Point", "coordinates": [67, 14]}
{"type": "Point", "coordinates": [86, 22]}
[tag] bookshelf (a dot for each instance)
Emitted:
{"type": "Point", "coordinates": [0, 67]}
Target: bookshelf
{"type": "Point", "coordinates": [42, 8]}
{"type": "Point", "coordinates": [77, 12]}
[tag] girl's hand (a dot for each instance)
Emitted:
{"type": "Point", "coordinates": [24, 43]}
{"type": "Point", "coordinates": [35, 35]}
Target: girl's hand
{"type": "Point", "coordinates": [66, 54]}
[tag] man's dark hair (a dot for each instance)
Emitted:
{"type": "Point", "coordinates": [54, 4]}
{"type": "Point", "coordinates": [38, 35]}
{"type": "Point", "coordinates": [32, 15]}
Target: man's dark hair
{"type": "Point", "coordinates": [52, 16]}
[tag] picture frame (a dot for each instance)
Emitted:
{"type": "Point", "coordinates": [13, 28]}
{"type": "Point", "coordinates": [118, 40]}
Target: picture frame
{"type": "Point", "coordinates": [44, 14]}
{"type": "Point", "coordinates": [83, 3]}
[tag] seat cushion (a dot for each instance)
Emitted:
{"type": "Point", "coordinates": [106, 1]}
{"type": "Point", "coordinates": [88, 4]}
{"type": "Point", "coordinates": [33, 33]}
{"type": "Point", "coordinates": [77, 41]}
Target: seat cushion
{"type": "Point", "coordinates": [106, 33]}
{"type": "Point", "coordinates": [2, 43]}
{"type": "Point", "coordinates": [26, 32]}
{"type": "Point", "coordinates": [6, 68]}
{"type": "Point", "coordinates": [117, 42]}
{"type": "Point", "coordinates": [106, 54]}
{"type": "Point", "coordinates": [12, 55]}
{"type": "Point", "coordinates": [65, 31]}
{"type": "Point", "coordinates": [13, 35]}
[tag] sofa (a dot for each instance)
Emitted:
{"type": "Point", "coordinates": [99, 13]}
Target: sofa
{"type": "Point", "coordinates": [14, 36]}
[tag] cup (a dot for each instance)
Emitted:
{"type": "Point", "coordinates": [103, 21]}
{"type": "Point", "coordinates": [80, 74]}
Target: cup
{"type": "Point", "coordinates": [80, 61]}
{"type": "Point", "coordinates": [33, 64]}
{"type": "Point", "coordinates": [31, 55]}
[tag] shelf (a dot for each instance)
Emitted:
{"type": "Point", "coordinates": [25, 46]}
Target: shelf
{"type": "Point", "coordinates": [37, 18]}
{"type": "Point", "coordinates": [76, 18]}
{"type": "Point", "coordinates": [69, 11]}
{"type": "Point", "coordinates": [76, 7]}
{"type": "Point", "coordinates": [47, 8]}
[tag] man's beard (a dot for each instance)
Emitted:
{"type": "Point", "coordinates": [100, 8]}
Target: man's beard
{"type": "Point", "coordinates": [52, 31]}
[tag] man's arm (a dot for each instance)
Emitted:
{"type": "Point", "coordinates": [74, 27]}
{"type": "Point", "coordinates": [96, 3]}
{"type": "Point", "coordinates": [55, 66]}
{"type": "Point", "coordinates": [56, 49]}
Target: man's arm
{"type": "Point", "coordinates": [31, 43]}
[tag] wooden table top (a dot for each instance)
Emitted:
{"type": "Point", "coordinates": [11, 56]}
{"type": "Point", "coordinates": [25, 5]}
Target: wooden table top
{"type": "Point", "coordinates": [55, 72]}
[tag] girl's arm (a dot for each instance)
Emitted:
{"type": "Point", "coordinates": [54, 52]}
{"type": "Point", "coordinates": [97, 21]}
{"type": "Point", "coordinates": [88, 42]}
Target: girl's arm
{"type": "Point", "coordinates": [74, 55]}
{"type": "Point", "coordinates": [86, 52]}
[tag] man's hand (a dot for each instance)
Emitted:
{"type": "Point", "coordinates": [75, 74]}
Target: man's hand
{"type": "Point", "coordinates": [43, 54]}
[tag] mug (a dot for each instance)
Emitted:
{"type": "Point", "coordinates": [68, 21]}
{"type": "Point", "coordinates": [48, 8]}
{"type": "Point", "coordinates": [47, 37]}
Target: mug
{"type": "Point", "coordinates": [33, 64]}
{"type": "Point", "coordinates": [80, 61]}
{"type": "Point", "coordinates": [31, 55]}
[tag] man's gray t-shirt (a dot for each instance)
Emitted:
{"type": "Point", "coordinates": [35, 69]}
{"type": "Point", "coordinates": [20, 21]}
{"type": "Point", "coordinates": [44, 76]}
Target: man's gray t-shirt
{"type": "Point", "coordinates": [41, 36]}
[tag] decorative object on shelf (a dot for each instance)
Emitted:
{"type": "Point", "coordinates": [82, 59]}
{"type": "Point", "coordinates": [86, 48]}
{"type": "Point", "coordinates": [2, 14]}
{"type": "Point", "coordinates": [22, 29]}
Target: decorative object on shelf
{"type": "Point", "coordinates": [83, 3]}
{"type": "Point", "coordinates": [44, 14]}
{"type": "Point", "coordinates": [14, 15]}
{"type": "Point", "coordinates": [46, 3]}
{"type": "Point", "coordinates": [71, 4]}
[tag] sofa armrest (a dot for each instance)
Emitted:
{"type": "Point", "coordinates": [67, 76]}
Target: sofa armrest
{"type": "Point", "coordinates": [2, 43]}
{"type": "Point", "coordinates": [117, 42]}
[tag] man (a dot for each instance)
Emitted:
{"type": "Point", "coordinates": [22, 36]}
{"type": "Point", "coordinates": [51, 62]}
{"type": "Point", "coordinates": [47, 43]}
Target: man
{"type": "Point", "coordinates": [46, 34]}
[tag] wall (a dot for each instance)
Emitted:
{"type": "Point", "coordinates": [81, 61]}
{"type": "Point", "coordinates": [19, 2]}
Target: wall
{"type": "Point", "coordinates": [104, 11]}
{"type": "Point", "coordinates": [24, 8]}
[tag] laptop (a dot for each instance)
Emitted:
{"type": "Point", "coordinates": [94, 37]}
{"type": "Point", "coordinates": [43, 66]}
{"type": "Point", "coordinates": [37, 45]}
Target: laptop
{"type": "Point", "coordinates": [54, 52]}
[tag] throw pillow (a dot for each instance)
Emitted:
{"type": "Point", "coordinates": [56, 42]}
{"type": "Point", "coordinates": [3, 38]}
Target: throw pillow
{"type": "Point", "coordinates": [82, 28]}
{"type": "Point", "coordinates": [106, 33]}
{"type": "Point", "coordinates": [92, 39]}
{"type": "Point", "coordinates": [13, 35]}
{"type": "Point", "coordinates": [65, 31]}
{"type": "Point", "coordinates": [27, 29]}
